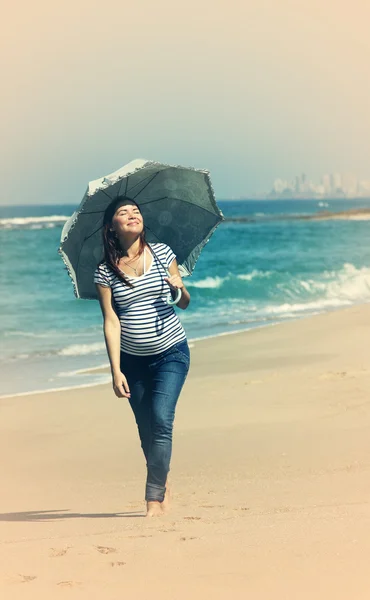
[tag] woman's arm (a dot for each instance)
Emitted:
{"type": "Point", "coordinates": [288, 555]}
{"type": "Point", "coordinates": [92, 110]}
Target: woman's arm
{"type": "Point", "coordinates": [112, 335]}
{"type": "Point", "coordinates": [176, 283]}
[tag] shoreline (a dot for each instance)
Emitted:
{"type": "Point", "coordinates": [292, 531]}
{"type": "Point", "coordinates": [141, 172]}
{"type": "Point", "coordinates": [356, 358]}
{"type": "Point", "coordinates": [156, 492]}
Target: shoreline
{"type": "Point", "coordinates": [105, 367]}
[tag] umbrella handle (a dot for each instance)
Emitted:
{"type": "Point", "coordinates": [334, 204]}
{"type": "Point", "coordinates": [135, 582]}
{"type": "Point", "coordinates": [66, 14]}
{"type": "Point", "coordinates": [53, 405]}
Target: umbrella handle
{"type": "Point", "coordinates": [175, 301]}
{"type": "Point", "coordinates": [169, 299]}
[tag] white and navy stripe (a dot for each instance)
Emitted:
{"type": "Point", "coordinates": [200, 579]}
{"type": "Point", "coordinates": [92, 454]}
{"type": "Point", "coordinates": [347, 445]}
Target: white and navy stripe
{"type": "Point", "coordinates": [148, 324]}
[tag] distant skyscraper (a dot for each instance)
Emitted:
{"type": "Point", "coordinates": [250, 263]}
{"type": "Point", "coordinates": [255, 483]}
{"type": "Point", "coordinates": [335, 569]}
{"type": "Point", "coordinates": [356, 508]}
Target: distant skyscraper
{"type": "Point", "coordinates": [279, 186]}
{"type": "Point", "coordinates": [364, 188]}
{"type": "Point", "coordinates": [326, 183]}
{"type": "Point", "coordinates": [336, 183]}
{"type": "Point", "coordinates": [350, 184]}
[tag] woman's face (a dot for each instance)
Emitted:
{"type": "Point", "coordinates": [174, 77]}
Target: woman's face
{"type": "Point", "coordinates": [127, 220]}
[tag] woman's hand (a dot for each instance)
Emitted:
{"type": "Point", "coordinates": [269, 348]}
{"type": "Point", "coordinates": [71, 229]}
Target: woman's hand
{"type": "Point", "coordinates": [120, 386]}
{"type": "Point", "coordinates": [175, 282]}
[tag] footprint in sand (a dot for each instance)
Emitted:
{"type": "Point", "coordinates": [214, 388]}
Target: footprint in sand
{"type": "Point", "coordinates": [68, 584]}
{"type": "Point", "coordinates": [343, 374]}
{"type": "Point", "coordinates": [105, 549]}
{"type": "Point", "coordinates": [332, 375]}
{"type": "Point", "coordinates": [54, 552]}
{"type": "Point", "coordinates": [26, 578]}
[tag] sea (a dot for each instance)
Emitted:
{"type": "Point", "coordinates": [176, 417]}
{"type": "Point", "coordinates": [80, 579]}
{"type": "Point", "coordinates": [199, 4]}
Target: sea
{"type": "Point", "coordinates": [264, 265]}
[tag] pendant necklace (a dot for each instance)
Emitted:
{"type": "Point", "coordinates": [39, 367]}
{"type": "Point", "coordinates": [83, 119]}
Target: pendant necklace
{"type": "Point", "coordinates": [133, 268]}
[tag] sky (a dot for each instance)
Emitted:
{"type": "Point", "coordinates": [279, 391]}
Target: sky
{"type": "Point", "coordinates": [251, 90]}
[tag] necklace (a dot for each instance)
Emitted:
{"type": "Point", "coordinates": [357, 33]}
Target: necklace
{"type": "Point", "coordinates": [135, 270]}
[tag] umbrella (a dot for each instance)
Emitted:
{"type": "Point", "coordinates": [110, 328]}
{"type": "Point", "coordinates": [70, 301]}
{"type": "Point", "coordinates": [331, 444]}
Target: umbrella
{"type": "Point", "coordinates": [177, 203]}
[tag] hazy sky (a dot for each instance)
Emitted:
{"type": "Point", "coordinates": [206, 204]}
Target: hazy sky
{"type": "Point", "coordinates": [251, 90]}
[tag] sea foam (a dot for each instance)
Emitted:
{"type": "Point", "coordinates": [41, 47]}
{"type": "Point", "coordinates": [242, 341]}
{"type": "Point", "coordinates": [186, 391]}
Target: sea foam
{"type": "Point", "coordinates": [254, 275]}
{"type": "Point", "coordinates": [33, 222]}
{"type": "Point", "coordinates": [208, 282]}
{"type": "Point", "coordinates": [217, 282]}
{"type": "Point", "coordinates": [82, 349]}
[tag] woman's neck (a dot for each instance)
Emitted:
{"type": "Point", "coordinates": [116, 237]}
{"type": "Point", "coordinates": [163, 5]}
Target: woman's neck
{"type": "Point", "coordinates": [131, 248]}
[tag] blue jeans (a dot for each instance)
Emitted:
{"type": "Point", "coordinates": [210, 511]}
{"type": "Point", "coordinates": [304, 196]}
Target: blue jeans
{"type": "Point", "coordinates": [155, 383]}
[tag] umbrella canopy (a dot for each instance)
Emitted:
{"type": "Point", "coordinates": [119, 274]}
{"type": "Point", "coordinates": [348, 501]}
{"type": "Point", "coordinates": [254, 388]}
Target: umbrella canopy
{"type": "Point", "coordinates": [178, 207]}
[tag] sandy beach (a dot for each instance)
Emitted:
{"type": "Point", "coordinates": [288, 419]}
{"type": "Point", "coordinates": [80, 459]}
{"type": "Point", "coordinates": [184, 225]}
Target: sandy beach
{"type": "Point", "coordinates": [270, 478]}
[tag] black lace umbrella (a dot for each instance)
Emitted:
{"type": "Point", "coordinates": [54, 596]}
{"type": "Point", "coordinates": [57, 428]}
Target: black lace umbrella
{"type": "Point", "coordinates": [177, 203]}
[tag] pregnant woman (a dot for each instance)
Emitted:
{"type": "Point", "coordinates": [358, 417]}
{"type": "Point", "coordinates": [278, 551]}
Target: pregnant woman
{"type": "Point", "coordinates": [146, 343]}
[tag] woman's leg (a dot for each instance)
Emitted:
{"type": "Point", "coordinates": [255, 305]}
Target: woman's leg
{"type": "Point", "coordinates": [168, 376]}
{"type": "Point", "coordinates": [139, 381]}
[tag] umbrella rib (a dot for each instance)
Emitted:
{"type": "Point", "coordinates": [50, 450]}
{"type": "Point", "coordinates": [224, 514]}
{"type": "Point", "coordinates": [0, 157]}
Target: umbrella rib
{"type": "Point", "coordinates": [93, 233]}
{"type": "Point", "coordinates": [78, 262]}
{"type": "Point", "coordinates": [154, 200]}
{"type": "Point", "coordinates": [141, 182]}
{"type": "Point", "coordinates": [108, 196]}
{"type": "Point", "coordinates": [119, 189]}
{"type": "Point", "coordinates": [149, 182]}
{"type": "Point", "coordinates": [196, 206]}
{"type": "Point", "coordinates": [181, 200]}
{"type": "Point", "coordinates": [138, 183]}
{"type": "Point", "coordinates": [127, 178]}
{"type": "Point", "coordinates": [79, 254]}
{"type": "Point", "coordinates": [152, 232]}
{"type": "Point", "coordinates": [92, 212]}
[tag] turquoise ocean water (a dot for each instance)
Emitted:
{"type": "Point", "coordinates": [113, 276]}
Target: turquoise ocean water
{"type": "Point", "coordinates": [266, 268]}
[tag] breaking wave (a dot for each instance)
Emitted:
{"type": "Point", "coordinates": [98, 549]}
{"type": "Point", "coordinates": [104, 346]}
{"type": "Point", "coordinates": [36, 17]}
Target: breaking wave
{"type": "Point", "coordinates": [217, 282]}
{"type": "Point", "coordinates": [285, 297]}
{"type": "Point", "coordinates": [254, 275]}
{"type": "Point", "coordinates": [346, 286]}
{"type": "Point", "coordinates": [33, 222]}
{"type": "Point", "coordinates": [208, 282]}
{"type": "Point", "coordinates": [82, 349]}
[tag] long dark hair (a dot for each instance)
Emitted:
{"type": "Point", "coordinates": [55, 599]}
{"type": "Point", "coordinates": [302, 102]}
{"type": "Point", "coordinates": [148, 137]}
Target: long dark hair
{"type": "Point", "coordinates": [112, 249]}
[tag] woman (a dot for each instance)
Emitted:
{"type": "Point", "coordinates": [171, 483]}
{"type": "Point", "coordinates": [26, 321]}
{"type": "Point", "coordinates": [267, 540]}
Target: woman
{"type": "Point", "coordinates": [146, 343]}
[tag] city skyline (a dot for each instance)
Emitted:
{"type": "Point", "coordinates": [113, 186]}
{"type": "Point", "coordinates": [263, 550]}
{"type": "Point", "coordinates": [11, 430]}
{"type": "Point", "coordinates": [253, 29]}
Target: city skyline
{"type": "Point", "coordinates": [332, 185]}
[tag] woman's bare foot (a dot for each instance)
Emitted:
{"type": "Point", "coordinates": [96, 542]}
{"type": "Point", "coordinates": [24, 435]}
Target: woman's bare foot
{"type": "Point", "coordinates": [165, 505]}
{"type": "Point", "coordinates": [153, 508]}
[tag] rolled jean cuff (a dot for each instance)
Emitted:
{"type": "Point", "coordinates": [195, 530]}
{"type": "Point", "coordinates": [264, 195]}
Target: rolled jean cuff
{"type": "Point", "coordinates": [154, 493]}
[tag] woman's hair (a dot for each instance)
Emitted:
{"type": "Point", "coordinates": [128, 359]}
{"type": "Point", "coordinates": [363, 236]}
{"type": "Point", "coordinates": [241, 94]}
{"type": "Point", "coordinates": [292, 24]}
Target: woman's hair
{"type": "Point", "coordinates": [112, 248]}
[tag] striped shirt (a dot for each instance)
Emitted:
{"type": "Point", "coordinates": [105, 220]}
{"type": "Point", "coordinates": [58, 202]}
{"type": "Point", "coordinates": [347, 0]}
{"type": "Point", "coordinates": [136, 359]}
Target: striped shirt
{"type": "Point", "coordinates": [148, 324]}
